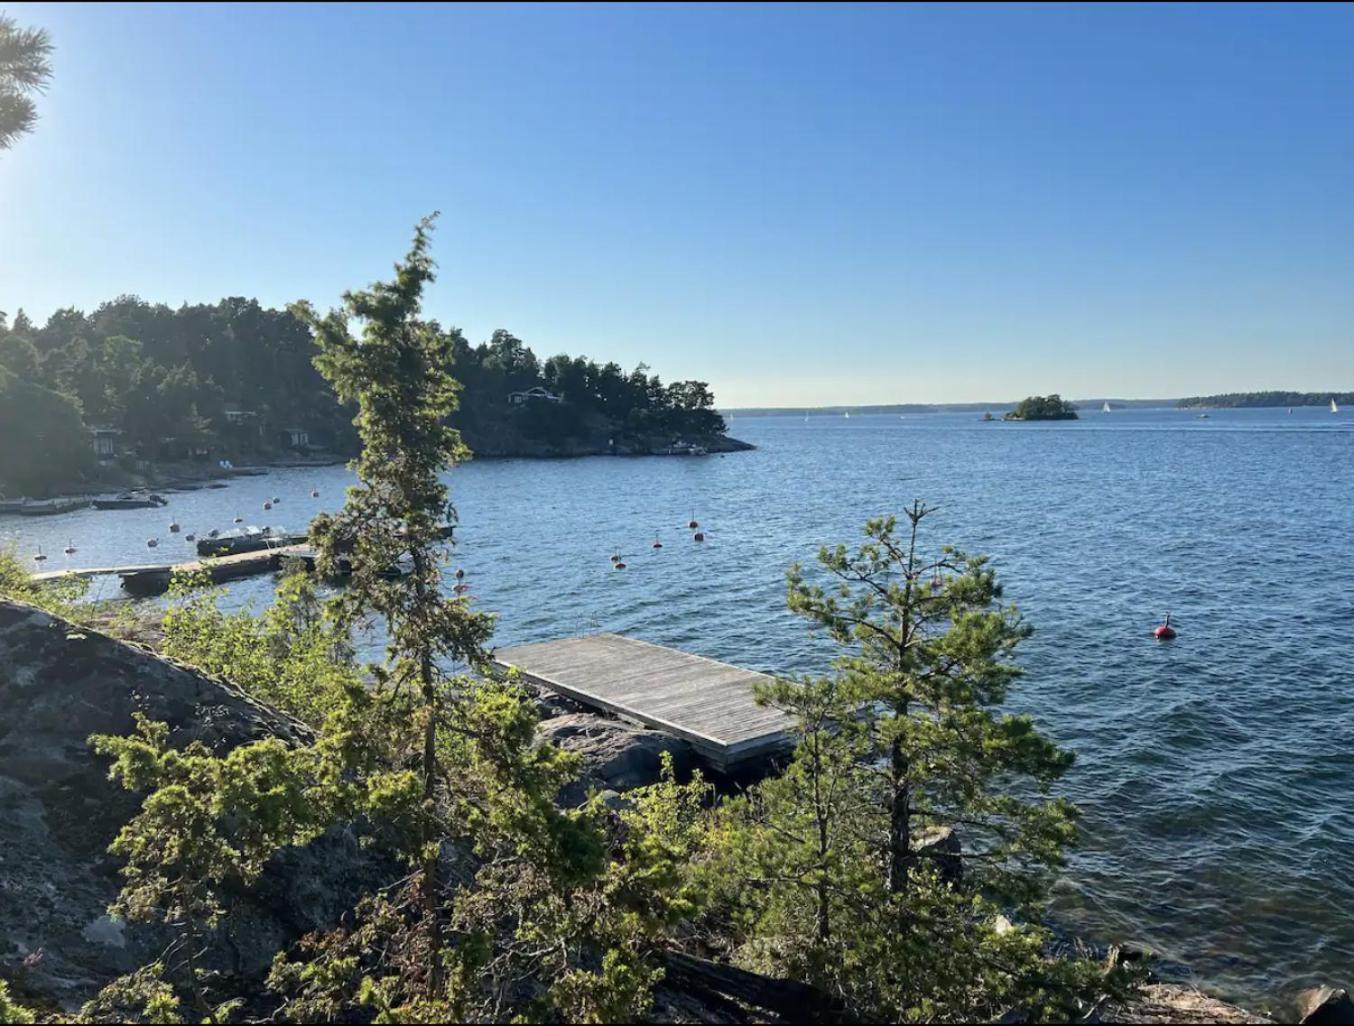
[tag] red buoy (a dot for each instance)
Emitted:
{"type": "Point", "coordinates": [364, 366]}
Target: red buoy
{"type": "Point", "coordinates": [1164, 632]}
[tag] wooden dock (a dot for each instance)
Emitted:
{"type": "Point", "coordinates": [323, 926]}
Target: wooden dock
{"type": "Point", "coordinates": [154, 578]}
{"type": "Point", "coordinates": [706, 703]}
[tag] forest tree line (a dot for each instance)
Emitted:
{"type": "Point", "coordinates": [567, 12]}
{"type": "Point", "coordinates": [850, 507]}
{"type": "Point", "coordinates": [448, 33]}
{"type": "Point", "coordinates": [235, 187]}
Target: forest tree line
{"type": "Point", "coordinates": [1233, 400]}
{"type": "Point", "coordinates": [232, 379]}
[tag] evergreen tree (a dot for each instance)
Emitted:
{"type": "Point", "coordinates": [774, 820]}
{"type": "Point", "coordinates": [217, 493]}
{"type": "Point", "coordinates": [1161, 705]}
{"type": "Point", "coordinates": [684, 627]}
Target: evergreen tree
{"type": "Point", "coordinates": [24, 70]}
{"type": "Point", "coordinates": [845, 870]}
{"type": "Point", "coordinates": [396, 374]}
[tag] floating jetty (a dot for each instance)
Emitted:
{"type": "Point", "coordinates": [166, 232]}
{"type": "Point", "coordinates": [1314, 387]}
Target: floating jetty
{"type": "Point", "coordinates": [709, 704]}
{"type": "Point", "coordinates": [154, 578]}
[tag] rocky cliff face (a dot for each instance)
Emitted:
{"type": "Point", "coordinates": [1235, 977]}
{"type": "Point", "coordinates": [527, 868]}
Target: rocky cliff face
{"type": "Point", "coordinates": [59, 811]}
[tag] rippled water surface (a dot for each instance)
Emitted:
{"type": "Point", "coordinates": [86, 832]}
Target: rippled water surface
{"type": "Point", "coordinates": [1215, 773]}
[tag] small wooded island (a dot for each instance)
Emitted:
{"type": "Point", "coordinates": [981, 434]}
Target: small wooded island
{"type": "Point", "coordinates": [1043, 407]}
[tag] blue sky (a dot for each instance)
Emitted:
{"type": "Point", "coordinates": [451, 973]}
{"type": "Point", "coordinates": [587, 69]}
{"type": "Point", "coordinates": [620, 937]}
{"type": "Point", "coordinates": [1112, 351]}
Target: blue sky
{"type": "Point", "coordinates": [801, 205]}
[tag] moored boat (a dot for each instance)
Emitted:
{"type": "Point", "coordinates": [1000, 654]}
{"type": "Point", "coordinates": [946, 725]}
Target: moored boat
{"type": "Point", "coordinates": [132, 500]}
{"type": "Point", "coordinates": [48, 507]}
{"type": "Point", "coordinates": [250, 539]}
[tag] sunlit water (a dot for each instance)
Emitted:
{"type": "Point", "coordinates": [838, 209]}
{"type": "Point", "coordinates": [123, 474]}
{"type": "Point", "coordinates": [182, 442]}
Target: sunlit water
{"type": "Point", "coordinates": [1215, 773]}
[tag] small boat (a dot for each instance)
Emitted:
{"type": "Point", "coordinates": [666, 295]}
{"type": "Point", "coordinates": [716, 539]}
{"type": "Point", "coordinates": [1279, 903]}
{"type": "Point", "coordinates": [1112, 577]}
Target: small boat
{"type": "Point", "coordinates": [267, 505]}
{"type": "Point", "coordinates": [39, 557]}
{"type": "Point", "coordinates": [314, 493]}
{"type": "Point", "coordinates": [1333, 407]}
{"type": "Point", "coordinates": [698, 536]}
{"type": "Point", "coordinates": [988, 417]}
{"type": "Point", "coordinates": [846, 414]}
{"type": "Point", "coordinates": [1105, 408]}
{"type": "Point", "coordinates": [70, 548]}
{"type": "Point", "coordinates": [48, 507]}
{"type": "Point", "coordinates": [152, 542]}
{"type": "Point", "coordinates": [1203, 416]}
{"type": "Point", "coordinates": [131, 500]}
{"type": "Point", "coordinates": [190, 537]}
{"type": "Point", "coordinates": [174, 527]}
{"type": "Point", "coordinates": [239, 519]}
{"type": "Point", "coordinates": [250, 539]}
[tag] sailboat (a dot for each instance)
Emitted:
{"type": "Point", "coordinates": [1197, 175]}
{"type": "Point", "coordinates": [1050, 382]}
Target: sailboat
{"type": "Point", "coordinates": [1105, 408]}
{"type": "Point", "coordinates": [847, 413]}
{"type": "Point", "coordinates": [1333, 407]}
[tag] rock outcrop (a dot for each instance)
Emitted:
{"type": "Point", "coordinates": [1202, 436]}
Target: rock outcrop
{"type": "Point", "coordinates": [1326, 1006]}
{"type": "Point", "coordinates": [60, 683]}
{"type": "Point", "coordinates": [616, 755]}
{"type": "Point", "coordinates": [1174, 1003]}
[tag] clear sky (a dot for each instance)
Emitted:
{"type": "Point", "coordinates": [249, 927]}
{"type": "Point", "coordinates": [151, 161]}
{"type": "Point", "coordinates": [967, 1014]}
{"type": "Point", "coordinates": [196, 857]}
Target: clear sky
{"type": "Point", "coordinates": [801, 205]}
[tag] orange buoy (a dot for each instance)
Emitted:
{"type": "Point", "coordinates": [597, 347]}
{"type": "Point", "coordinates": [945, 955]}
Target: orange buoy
{"type": "Point", "coordinates": [1164, 632]}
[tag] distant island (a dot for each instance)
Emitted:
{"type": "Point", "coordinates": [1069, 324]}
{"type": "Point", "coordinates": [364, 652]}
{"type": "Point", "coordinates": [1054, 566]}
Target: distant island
{"type": "Point", "coordinates": [1043, 407]}
{"type": "Point", "coordinates": [1235, 400]}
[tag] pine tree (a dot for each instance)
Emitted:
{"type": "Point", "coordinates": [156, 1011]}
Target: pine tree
{"type": "Point", "coordinates": [830, 872]}
{"type": "Point", "coordinates": [396, 372]}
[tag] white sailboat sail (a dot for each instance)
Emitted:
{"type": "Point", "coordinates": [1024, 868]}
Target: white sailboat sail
{"type": "Point", "coordinates": [1105, 408]}
{"type": "Point", "coordinates": [1333, 407]}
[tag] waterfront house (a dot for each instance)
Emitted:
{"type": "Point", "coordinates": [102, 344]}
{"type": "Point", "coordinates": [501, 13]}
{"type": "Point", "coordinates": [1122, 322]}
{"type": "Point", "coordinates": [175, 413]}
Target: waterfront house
{"type": "Point", "coordinates": [105, 441]}
{"type": "Point", "coordinates": [294, 438]}
{"type": "Point", "coordinates": [537, 394]}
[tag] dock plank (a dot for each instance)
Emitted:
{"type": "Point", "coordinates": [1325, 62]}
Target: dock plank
{"type": "Point", "coordinates": [706, 702]}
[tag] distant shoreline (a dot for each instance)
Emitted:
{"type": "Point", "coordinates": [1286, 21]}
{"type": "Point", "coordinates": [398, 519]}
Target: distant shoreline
{"type": "Point", "coordinates": [1239, 400]}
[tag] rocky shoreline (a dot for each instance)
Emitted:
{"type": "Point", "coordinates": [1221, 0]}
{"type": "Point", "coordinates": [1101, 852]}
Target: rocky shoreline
{"type": "Point", "coordinates": [177, 476]}
{"type": "Point", "coordinates": [61, 682]}
{"type": "Point", "coordinates": [189, 476]}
